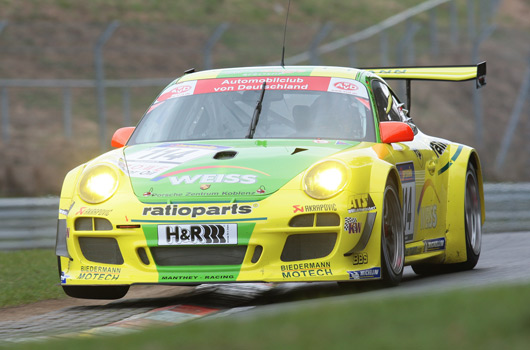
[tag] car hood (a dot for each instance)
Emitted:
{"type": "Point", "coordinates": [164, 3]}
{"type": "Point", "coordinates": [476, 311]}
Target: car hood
{"type": "Point", "coordinates": [221, 170]}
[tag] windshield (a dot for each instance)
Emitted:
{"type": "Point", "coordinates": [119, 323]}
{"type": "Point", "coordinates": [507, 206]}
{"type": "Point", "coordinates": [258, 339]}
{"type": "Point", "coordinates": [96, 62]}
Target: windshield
{"type": "Point", "coordinates": [306, 108]}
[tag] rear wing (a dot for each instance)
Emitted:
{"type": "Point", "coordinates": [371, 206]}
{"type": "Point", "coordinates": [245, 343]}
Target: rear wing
{"type": "Point", "coordinates": [441, 73]}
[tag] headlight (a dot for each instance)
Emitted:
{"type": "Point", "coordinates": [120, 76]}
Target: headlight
{"type": "Point", "coordinates": [98, 183]}
{"type": "Point", "coordinates": [326, 179]}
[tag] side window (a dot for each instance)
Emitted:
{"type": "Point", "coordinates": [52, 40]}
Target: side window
{"type": "Point", "coordinates": [387, 103]}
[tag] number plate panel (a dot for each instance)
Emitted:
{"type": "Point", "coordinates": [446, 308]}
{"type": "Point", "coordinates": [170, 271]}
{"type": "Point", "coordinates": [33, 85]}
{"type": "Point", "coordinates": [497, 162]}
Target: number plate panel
{"type": "Point", "coordinates": [201, 234]}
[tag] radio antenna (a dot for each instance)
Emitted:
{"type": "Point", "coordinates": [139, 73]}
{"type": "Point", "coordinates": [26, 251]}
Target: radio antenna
{"type": "Point", "coordinates": [284, 33]}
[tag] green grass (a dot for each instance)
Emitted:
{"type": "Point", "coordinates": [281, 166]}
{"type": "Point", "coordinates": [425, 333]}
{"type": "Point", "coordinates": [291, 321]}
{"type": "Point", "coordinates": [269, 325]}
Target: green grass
{"type": "Point", "coordinates": [489, 318]}
{"type": "Point", "coordinates": [473, 318]}
{"type": "Point", "coordinates": [28, 276]}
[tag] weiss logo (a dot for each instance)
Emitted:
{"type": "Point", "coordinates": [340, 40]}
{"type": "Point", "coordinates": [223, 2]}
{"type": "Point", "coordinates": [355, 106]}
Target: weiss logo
{"type": "Point", "coordinates": [213, 178]}
{"type": "Point", "coordinates": [343, 85]}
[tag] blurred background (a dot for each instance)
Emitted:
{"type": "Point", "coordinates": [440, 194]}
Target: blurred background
{"type": "Point", "coordinates": [72, 72]}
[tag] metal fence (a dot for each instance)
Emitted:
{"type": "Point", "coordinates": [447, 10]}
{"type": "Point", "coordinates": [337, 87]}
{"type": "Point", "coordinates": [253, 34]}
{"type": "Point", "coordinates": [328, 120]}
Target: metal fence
{"type": "Point", "coordinates": [401, 50]}
{"type": "Point", "coordinates": [28, 223]}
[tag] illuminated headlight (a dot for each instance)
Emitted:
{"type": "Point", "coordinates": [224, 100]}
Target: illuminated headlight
{"type": "Point", "coordinates": [326, 179]}
{"type": "Point", "coordinates": [98, 183]}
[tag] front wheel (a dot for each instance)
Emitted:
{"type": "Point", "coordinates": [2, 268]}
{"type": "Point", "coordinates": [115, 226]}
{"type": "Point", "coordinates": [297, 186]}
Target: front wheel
{"type": "Point", "coordinates": [392, 236]}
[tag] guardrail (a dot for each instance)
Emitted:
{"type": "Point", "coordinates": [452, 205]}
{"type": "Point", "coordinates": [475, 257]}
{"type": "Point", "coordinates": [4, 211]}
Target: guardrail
{"type": "Point", "coordinates": [27, 223]}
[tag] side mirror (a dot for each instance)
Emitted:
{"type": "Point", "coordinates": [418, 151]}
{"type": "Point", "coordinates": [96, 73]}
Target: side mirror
{"type": "Point", "coordinates": [121, 136]}
{"type": "Point", "coordinates": [395, 132]}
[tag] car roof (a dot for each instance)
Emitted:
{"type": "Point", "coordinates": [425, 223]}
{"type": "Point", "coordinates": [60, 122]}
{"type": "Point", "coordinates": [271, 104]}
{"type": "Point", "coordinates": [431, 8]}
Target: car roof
{"type": "Point", "coordinates": [264, 71]}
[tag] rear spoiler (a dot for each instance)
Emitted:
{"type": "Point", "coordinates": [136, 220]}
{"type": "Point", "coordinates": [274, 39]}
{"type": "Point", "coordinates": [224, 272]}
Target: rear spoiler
{"type": "Point", "coordinates": [441, 73]}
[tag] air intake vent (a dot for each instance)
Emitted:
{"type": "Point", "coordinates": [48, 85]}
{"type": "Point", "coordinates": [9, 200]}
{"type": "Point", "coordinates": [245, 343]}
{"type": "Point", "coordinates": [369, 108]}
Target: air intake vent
{"type": "Point", "coordinates": [308, 220]}
{"type": "Point", "coordinates": [92, 224]}
{"type": "Point", "coordinates": [101, 250]}
{"type": "Point", "coordinates": [197, 256]}
{"type": "Point", "coordinates": [308, 246]}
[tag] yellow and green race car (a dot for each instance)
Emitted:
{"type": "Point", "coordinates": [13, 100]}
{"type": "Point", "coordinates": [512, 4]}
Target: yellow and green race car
{"type": "Point", "coordinates": [272, 174]}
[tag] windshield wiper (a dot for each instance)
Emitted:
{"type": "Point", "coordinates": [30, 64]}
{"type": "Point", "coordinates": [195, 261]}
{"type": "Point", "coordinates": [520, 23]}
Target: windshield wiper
{"type": "Point", "coordinates": [257, 112]}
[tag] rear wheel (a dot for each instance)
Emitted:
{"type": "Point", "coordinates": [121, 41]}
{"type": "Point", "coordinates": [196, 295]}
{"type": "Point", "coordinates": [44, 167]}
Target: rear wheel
{"type": "Point", "coordinates": [473, 219]}
{"type": "Point", "coordinates": [473, 230]}
{"type": "Point", "coordinates": [93, 292]}
{"type": "Point", "coordinates": [392, 236]}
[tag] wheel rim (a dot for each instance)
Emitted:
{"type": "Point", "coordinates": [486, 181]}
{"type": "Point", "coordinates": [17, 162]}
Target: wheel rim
{"type": "Point", "coordinates": [473, 213]}
{"type": "Point", "coordinates": [393, 231]}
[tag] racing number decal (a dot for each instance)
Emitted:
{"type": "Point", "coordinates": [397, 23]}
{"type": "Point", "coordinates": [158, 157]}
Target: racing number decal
{"type": "Point", "coordinates": [406, 173]}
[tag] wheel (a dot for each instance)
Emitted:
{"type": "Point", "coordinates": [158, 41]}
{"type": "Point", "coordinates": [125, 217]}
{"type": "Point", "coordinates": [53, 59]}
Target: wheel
{"type": "Point", "coordinates": [473, 230]}
{"type": "Point", "coordinates": [392, 236]}
{"type": "Point", "coordinates": [473, 219]}
{"type": "Point", "coordinates": [93, 292]}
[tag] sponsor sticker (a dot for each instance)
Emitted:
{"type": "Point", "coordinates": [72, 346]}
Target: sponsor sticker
{"type": "Point", "coordinates": [434, 244]}
{"type": "Point", "coordinates": [360, 259]}
{"type": "Point", "coordinates": [177, 90]}
{"type": "Point", "coordinates": [313, 269]}
{"type": "Point", "coordinates": [314, 208]}
{"type": "Point", "coordinates": [428, 217]}
{"type": "Point", "coordinates": [351, 225]}
{"type": "Point", "coordinates": [94, 211]}
{"type": "Point", "coordinates": [213, 178]}
{"type": "Point", "coordinates": [196, 211]}
{"type": "Point", "coordinates": [372, 273]}
{"type": "Point", "coordinates": [99, 273]}
{"type": "Point", "coordinates": [408, 181]}
{"type": "Point", "coordinates": [360, 202]}
{"type": "Point", "coordinates": [347, 86]}
{"type": "Point", "coordinates": [438, 147]}
{"type": "Point", "coordinates": [203, 234]}
{"type": "Point", "coordinates": [151, 162]}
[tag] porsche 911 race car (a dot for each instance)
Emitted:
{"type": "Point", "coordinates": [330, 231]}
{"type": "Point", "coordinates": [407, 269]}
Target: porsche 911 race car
{"type": "Point", "coordinates": [272, 174]}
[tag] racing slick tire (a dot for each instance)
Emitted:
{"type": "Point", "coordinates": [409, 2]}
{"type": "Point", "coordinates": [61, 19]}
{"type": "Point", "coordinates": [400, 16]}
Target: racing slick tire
{"type": "Point", "coordinates": [392, 236]}
{"type": "Point", "coordinates": [93, 292]}
{"type": "Point", "coordinates": [473, 230]}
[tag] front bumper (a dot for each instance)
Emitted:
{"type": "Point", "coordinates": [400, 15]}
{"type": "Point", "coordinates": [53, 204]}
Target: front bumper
{"type": "Point", "coordinates": [286, 237]}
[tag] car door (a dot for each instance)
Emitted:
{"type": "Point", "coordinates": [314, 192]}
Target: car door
{"type": "Point", "coordinates": [415, 161]}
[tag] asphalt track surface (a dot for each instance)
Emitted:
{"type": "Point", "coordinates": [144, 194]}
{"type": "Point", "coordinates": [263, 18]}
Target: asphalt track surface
{"type": "Point", "coordinates": [504, 260]}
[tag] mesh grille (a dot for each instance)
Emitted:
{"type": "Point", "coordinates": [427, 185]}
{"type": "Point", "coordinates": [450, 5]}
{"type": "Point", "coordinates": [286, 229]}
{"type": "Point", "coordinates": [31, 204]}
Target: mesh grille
{"type": "Point", "coordinates": [308, 246]}
{"type": "Point", "coordinates": [328, 219]}
{"type": "Point", "coordinates": [196, 256]}
{"type": "Point", "coordinates": [308, 220]}
{"type": "Point", "coordinates": [92, 224]}
{"type": "Point", "coordinates": [101, 250]}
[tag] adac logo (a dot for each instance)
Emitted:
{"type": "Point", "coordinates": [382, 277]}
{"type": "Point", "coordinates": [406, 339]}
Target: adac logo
{"type": "Point", "coordinates": [344, 85]}
{"type": "Point", "coordinates": [179, 90]}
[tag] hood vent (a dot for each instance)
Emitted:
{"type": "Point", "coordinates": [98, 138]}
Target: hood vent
{"type": "Point", "coordinates": [225, 155]}
{"type": "Point", "coordinates": [298, 150]}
